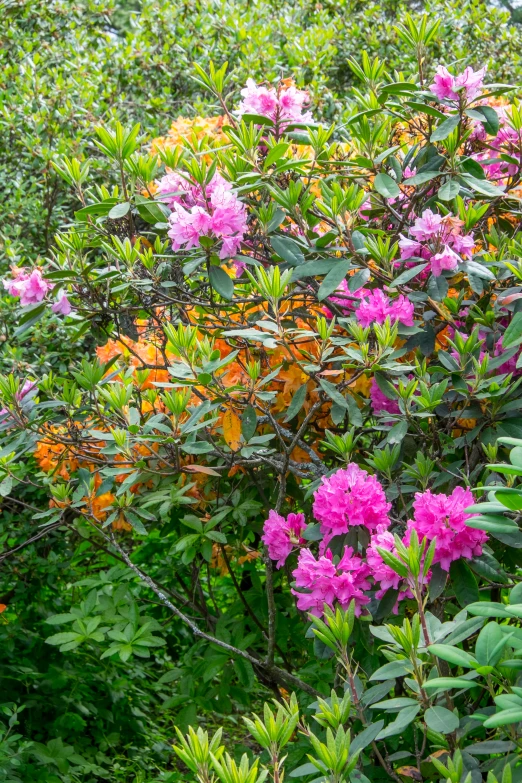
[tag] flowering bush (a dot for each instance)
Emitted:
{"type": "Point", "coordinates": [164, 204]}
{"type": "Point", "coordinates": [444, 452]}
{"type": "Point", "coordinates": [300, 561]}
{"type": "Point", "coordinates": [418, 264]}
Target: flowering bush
{"type": "Point", "coordinates": [308, 349]}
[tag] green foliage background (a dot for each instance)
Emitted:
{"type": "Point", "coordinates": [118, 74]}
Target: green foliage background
{"type": "Point", "coordinates": [66, 65]}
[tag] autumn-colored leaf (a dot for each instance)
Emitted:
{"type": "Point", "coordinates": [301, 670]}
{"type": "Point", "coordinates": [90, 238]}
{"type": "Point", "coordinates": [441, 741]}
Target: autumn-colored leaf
{"type": "Point", "coordinates": [200, 469]}
{"type": "Point", "coordinates": [3, 607]}
{"type": "Point", "coordinates": [409, 772]}
{"type": "Point", "coordinates": [232, 429]}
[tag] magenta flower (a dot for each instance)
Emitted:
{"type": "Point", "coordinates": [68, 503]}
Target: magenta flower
{"type": "Point", "coordinates": [345, 298]}
{"type": "Point", "coordinates": [375, 307]}
{"type": "Point", "coordinates": [442, 517]}
{"type": "Point", "coordinates": [347, 498]}
{"type": "Point", "coordinates": [62, 306]}
{"type": "Point", "coordinates": [409, 247]}
{"type": "Point", "coordinates": [213, 211]}
{"type": "Point", "coordinates": [446, 86]}
{"type": "Point", "coordinates": [281, 535]}
{"type": "Point", "coordinates": [31, 288]}
{"type": "Point", "coordinates": [327, 583]}
{"type": "Point", "coordinates": [381, 403]}
{"type": "Point", "coordinates": [283, 107]}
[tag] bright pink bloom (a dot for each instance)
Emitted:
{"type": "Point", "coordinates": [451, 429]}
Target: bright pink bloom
{"type": "Point", "coordinates": [442, 517]}
{"type": "Point", "coordinates": [347, 498]}
{"type": "Point", "coordinates": [328, 583]}
{"type": "Point", "coordinates": [445, 85]}
{"type": "Point", "coordinates": [283, 108]}
{"type": "Point", "coordinates": [62, 306]}
{"type": "Point", "coordinates": [375, 307]}
{"type": "Point", "coordinates": [174, 189]}
{"type": "Point", "coordinates": [463, 244]}
{"type": "Point", "coordinates": [447, 259]}
{"type": "Point", "coordinates": [214, 211]}
{"type": "Point", "coordinates": [381, 403]}
{"type": "Point", "coordinates": [426, 226]}
{"type": "Point", "coordinates": [345, 298]}
{"type": "Point", "coordinates": [281, 535]}
{"type": "Point", "coordinates": [31, 288]}
{"type": "Point", "coordinates": [381, 572]}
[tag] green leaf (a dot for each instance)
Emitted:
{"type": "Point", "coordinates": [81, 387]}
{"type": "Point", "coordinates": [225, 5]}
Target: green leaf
{"type": "Point", "coordinates": [442, 720]}
{"type": "Point", "coordinates": [445, 128]}
{"type": "Point", "coordinates": [248, 422]}
{"type": "Point", "coordinates": [221, 282]}
{"type": "Point", "coordinates": [288, 249]}
{"type": "Point", "coordinates": [403, 719]}
{"type": "Point", "coordinates": [422, 177]}
{"type": "Point", "coordinates": [366, 736]}
{"type": "Point", "coordinates": [296, 403]}
{"type": "Point", "coordinates": [333, 393]}
{"type": "Point", "coordinates": [487, 651]}
{"type": "Point", "coordinates": [447, 683]}
{"type": "Point", "coordinates": [386, 186]}
{"type": "Point", "coordinates": [464, 583]}
{"type": "Point", "coordinates": [407, 275]}
{"type": "Point", "coordinates": [484, 187]}
{"type": "Point", "coordinates": [504, 718]}
{"type": "Point", "coordinates": [275, 154]}
{"type": "Point", "coordinates": [513, 334]}
{"type": "Point", "coordinates": [452, 655]}
{"type": "Point", "coordinates": [62, 638]}
{"type": "Point", "coordinates": [6, 486]}
{"type": "Point", "coordinates": [393, 669]}
{"type": "Point", "coordinates": [449, 190]}
{"type": "Point", "coordinates": [119, 211]}
{"type": "Point", "coordinates": [333, 279]}
{"type": "Point", "coordinates": [257, 119]}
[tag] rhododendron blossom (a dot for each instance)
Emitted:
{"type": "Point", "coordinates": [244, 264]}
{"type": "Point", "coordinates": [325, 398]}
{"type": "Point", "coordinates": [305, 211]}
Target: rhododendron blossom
{"type": "Point", "coordinates": [376, 307]}
{"type": "Point", "coordinates": [446, 86]}
{"type": "Point", "coordinates": [438, 240]}
{"type": "Point", "coordinates": [328, 582]}
{"type": "Point", "coordinates": [283, 106]}
{"type": "Point", "coordinates": [62, 306]}
{"type": "Point", "coordinates": [443, 517]}
{"type": "Point", "coordinates": [29, 286]}
{"type": "Point", "coordinates": [211, 211]}
{"type": "Point", "coordinates": [281, 535]}
{"type": "Point", "coordinates": [347, 498]}
{"type": "Point", "coordinates": [380, 402]}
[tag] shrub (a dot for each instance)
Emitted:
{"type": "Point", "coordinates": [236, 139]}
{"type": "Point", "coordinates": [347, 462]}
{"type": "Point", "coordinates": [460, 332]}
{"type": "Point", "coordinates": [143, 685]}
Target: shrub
{"type": "Point", "coordinates": [308, 357]}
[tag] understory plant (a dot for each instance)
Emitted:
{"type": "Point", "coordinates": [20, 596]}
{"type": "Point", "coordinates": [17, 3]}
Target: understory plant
{"type": "Point", "coordinates": [291, 438]}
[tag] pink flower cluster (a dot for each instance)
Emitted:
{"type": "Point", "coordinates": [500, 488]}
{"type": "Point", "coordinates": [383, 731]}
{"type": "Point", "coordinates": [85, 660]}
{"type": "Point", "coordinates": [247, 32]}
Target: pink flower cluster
{"type": "Point", "coordinates": [507, 141]}
{"type": "Point", "coordinates": [376, 307]}
{"type": "Point", "coordinates": [283, 106]}
{"type": "Point", "coordinates": [380, 402]}
{"type": "Point", "coordinates": [347, 498]}
{"type": "Point", "coordinates": [281, 535]}
{"type": "Point", "coordinates": [442, 517]}
{"type": "Point", "coordinates": [214, 210]}
{"type": "Point", "coordinates": [350, 498]}
{"type": "Point", "coordinates": [32, 288]}
{"type": "Point", "coordinates": [449, 88]}
{"type": "Point", "coordinates": [438, 240]}
{"type": "Point", "coordinates": [327, 582]}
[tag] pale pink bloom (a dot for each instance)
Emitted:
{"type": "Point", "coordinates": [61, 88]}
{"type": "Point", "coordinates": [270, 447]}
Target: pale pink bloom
{"type": "Point", "coordinates": [472, 81]}
{"type": "Point", "coordinates": [463, 244]}
{"type": "Point", "coordinates": [409, 247]}
{"type": "Point", "coordinates": [376, 307]}
{"type": "Point", "coordinates": [175, 189]}
{"type": "Point", "coordinates": [186, 227]}
{"type": "Point", "coordinates": [426, 226]}
{"type": "Point", "coordinates": [347, 498]}
{"type": "Point", "coordinates": [281, 535]}
{"type": "Point", "coordinates": [442, 517]}
{"type": "Point", "coordinates": [62, 306]}
{"type": "Point", "coordinates": [328, 583]}
{"type": "Point", "coordinates": [284, 108]}
{"type": "Point", "coordinates": [447, 260]}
